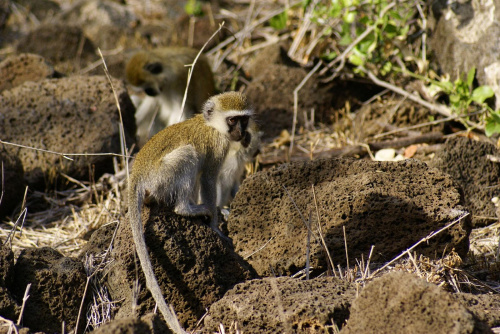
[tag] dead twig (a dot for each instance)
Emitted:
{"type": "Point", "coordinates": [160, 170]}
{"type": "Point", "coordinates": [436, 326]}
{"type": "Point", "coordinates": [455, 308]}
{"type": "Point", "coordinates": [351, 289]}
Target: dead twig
{"type": "Point", "coordinates": [425, 239]}
{"type": "Point", "coordinates": [296, 101]}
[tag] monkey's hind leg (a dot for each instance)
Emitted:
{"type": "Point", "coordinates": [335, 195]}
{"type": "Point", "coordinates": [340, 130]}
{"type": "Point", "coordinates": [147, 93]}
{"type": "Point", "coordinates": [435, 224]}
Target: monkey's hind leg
{"type": "Point", "coordinates": [182, 165]}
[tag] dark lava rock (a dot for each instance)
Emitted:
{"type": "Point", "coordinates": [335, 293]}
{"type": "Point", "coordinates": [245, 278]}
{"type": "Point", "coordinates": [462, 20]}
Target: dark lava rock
{"type": "Point", "coordinates": [193, 266]}
{"type": "Point", "coordinates": [148, 324]}
{"type": "Point", "coordinates": [283, 305]}
{"type": "Point", "coordinates": [70, 115]}
{"type": "Point", "coordinates": [399, 302]}
{"type": "Point", "coordinates": [468, 162]}
{"type": "Point", "coordinates": [390, 205]}
{"type": "Point", "coordinates": [12, 182]}
{"type": "Point", "coordinates": [15, 70]}
{"type": "Point", "coordinates": [9, 308]}
{"type": "Point", "coordinates": [57, 288]}
{"type": "Point", "coordinates": [59, 43]}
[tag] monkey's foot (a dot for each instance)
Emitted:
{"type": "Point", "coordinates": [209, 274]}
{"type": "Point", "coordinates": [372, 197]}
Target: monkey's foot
{"type": "Point", "coordinates": [193, 210]}
{"type": "Point", "coordinates": [223, 237]}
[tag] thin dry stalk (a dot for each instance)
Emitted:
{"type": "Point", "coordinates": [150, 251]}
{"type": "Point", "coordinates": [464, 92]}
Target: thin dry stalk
{"type": "Point", "coordinates": [64, 155]}
{"type": "Point", "coordinates": [366, 273]}
{"type": "Point", "coordinates": [320, 232]}
{"type": "Point", "coordinates": [3, 185]}
{"type": "Point", "coordinates": [25, 298]}
{"type": "Point", "coordinates": [345, 245]}
{"type": "Point", "coordinates": [12, 325]}
{"type": "Point", "coordinates": [425, 239]}
{"type": "Point", "coordinates": [259, 249]}
{"type": "Point", "coordinates": [191, 68]}
{"type": "Point", "coordinates": [296, 101]}
{"type": "Point", "coordinates": [81, 303]}
{"type": "Point", "coordinates": [308, 248]}
{"type": "Point", "coordinates": [123, 144]}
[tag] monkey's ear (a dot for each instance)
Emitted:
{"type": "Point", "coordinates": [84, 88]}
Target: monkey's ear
{"type": "Point", "coordinates": [208, 109]}
{"type": "Point", "coordinates": [154, 68]}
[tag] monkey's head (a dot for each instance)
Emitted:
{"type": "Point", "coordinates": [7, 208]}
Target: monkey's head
{"type": "Point", "coordinates": [147, 71]}
{"type": "Point", "coordinates": [229, 113]}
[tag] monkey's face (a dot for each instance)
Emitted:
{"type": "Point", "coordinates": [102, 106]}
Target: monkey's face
{"type": "Point", "coordinates": [152, 71]}
{"type": "Point", "coordinates": [238, 129]}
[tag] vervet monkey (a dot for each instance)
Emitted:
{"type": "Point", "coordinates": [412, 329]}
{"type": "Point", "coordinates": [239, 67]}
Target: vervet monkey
{"type": "Point", "coordinates": [173, 161]}
{"type": "Point", "coordinates": [239, 154]}
{"type": "Point", "coordinates": [162, 74]}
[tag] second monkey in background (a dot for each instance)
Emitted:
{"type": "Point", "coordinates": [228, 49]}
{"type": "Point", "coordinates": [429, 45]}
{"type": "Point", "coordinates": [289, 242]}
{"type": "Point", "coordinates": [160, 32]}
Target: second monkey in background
{"type": "Point", "coordinates": [162, 74]}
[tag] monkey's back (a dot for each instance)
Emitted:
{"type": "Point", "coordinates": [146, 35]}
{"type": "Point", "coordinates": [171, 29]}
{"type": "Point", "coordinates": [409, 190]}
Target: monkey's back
{"type": "Point", "coordinates": [207, 141]}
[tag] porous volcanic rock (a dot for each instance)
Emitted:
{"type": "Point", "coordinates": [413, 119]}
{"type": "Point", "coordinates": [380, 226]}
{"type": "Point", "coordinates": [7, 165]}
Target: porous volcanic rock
{"type": "Point", "coordinates": [8, 306]}
{"type": "Point", "coordinates": [193, 266]}
{"type": "Point", "coordinates": [390, 205]}
{"type": "Point", "coordinates": [271, 92]}
{"type": "Point", "coordinates": [98, 18]}
{"type": "Point", "coordinates": [12, 184]}
{"type": "Point", "coordinates": [485, 307]}
{"type": "Point", "coordinates": [468, 162]}
{"type": "Point", "coordinates": [16, 69]}
{"type": "Point", "coordinates": [399, 302]}
{"type": "Point", "coordinates": [69, 115]}
{"type": "Point", "coordinates": [64, 45]}
{"type": "Point", "coordinates": [41, 9]}
{"type": "Point", "coordinates": [99, 241]}
{"type": "Point", "coordinates": [283, 305]}
{"type": "Point", "coordinates": [57, 288]}
{"type": "Point", "coordinates": [148, 324]}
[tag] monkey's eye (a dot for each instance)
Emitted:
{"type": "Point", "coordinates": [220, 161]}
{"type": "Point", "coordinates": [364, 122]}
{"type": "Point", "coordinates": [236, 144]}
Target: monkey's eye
{"type": "Point", "coordinates": [154, 68]}
{"type": "Point", "coordinates": [232, 121]}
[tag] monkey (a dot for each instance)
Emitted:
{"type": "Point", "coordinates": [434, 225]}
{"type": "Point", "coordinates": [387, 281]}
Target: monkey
{"type": "Point", "coordinates": [161, 73]}
{"type": "Point", "coordinates": [168, 167]}
{"type": "Point", "coordinates": [239, 154]}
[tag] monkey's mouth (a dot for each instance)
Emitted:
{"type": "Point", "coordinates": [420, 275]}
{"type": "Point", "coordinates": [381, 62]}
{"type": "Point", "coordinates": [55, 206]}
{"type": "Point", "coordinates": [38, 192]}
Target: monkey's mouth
{"type": "Point", "coordinates": [150, 91]}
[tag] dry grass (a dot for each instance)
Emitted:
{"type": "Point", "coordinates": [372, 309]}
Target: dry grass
{"type": "Point", "coordinates": [72, 215]}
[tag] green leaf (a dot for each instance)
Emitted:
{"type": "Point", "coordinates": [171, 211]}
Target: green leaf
{"type": "Point", "coordinates": [356, 60]}
{"type": "Point", "coordinates": [350, 17]}
{"type": "Point", "coordinates": [481, 93]}
{"type": "Point", "coordinates": [345, 40]}
{"type": "Point", "coordinates": [454, 98]}
{"type": "Point", "coordinates": [470, 77]}
{"type": "Point", "coordinates": [386, 68]}
{"type": "Point", "coordinates": [278, 22]}
{"type": "Point", "coordinates": [492, 124]}
{"type": "Point", "coordinates": [447, 86]}
{"type": "Point", "coordinates": [193, 7]}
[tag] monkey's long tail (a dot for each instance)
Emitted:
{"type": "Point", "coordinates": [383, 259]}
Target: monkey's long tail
{"type": "Point", "coordinates": [135, 203]}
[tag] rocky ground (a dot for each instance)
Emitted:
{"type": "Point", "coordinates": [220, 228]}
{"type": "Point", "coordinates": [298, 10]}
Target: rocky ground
{"type": "Point", "coordinates": [378, 214]}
